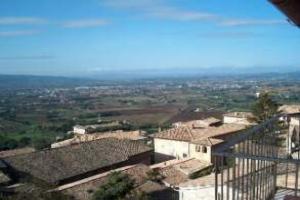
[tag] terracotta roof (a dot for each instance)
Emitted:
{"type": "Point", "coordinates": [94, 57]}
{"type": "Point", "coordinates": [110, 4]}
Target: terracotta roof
{"type": "Point", "coordinates": [199, 123]}
{"type": "Point", "coordinates": [180, 133]}
{"type": "Point", "coordinates": [130, 135]}
{"type": "Point", "coordinates": [178, 173]}
{"type": "Point", "coordinates": [208, 141]}
{"type": "Point", "coordinates": [58, 164]}
{"type": "Point", "coordinates": [209, 121]}
{"type": "Point", "coordinates": [172, 176]}
{"type": "Point", "coordinates": [190, 135]}
{"type": "Point", "coordinates": [15, 152]}
{"type": "Point", "coordinates": [191, 166]}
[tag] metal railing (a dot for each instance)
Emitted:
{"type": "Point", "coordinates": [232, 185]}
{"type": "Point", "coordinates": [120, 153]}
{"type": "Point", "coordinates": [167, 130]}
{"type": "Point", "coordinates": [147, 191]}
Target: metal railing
{"type": "Point", "coordinates": [257, 165]}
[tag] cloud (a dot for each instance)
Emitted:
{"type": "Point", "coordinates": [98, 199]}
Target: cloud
{"type": "Point", "coordinates": [250, 22]}
{"type": "Point", "coordinates": [159, 9]}
{"type": "Point", "coordinates": [229, 34]}
{"type": "Point", "coordinates": [18, 33]}
{"type": "Point", "coordinates": [181, 15]}
{"type": "Point", "coordinates": [85, 23]}
{"type": "Point", "coordinates": [21, 21]}
{"type": "Point", "coordinates": [35, 57]}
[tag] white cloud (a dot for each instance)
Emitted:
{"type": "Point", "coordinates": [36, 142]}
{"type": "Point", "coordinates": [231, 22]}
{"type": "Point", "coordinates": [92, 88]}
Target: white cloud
{"type": "Point", "coordinates": [181, 15]}
{"type": "Point", "coordinates": [159, 9]}
{"type": "Point", "coordinates": [85, 23]}
{"type": "Point", "coordinates": [162, 9]}
{"type": "Point", "coordinates": [18, 33]}
{"type": "Point", "coordinates": [21, 21]}
{"type": "Point", "coordinates": [33, 57]}
{"type": "Point", "coordinates": [250, 22]}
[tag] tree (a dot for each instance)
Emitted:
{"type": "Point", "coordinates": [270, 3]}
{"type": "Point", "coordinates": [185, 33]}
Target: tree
{"type": "Point", "coordinates": [154, 175]}
{"type": "Point", "coordinates": [118, 186]}
{"type": "Point", "coordinates": [264, 108]}
{"type": "Point", "coordinates": [41, 143]}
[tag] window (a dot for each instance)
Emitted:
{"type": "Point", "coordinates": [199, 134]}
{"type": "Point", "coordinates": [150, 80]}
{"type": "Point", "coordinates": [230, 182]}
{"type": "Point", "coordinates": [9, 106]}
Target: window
{"type": "Point", "coordinates": [204, 149]}
{"type": "Point", "coordinates": [198, 148]}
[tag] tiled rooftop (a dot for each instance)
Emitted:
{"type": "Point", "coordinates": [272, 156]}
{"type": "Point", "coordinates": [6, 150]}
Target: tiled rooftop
{"type": "Point", "coordinates": [178, 172]}
{"type": "Point", "coordinates": [15, 152]}
{"type": "Point", "coordinates": [61, 163]}
{"type": "Point", "coordinates": [189, 135]}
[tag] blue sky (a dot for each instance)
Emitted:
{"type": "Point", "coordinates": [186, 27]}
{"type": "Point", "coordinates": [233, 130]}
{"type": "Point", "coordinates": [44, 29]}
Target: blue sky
{"type": "Point", "coordinates": [84, 37]}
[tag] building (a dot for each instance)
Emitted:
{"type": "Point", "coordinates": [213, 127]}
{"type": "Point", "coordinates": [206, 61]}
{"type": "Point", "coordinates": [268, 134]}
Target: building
{"type": "Point", "coordinates": [293, 138]}
{"type": "Point", "coordinates": [289, 109]}
{"type": "Point", "coordinates": [71, 163]}
{"type": "Point", "coordinates": [119, 134]}
{"type": "Point", "coordinates": [243, 118]}
{"type": "Point", "coordinates": [184, 142]}
{"type": "Point", "coordinates": [211, 121]}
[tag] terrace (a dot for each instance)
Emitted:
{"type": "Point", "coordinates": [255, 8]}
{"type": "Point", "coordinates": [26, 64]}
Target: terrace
{"type": "Point", "coordinates": [260, 163]}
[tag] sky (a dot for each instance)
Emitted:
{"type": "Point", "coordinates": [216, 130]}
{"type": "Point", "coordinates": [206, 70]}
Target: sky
{"type": "Point", "coordinates": [88, 37]}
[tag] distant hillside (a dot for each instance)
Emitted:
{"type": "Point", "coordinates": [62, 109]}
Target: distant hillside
{"type": "Point", "coordinates": [32, 82]}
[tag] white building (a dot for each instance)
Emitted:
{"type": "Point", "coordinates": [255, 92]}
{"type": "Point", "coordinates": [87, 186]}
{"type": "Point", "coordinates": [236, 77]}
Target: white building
{"type": "Point", "coordinates": [185, 142]}
{"type": "Point", "coordinates": [243, 118]}
{"type": "Point", "coordinates": [203, 123]}
{"type": "Point", "coordinates": [80, 129]}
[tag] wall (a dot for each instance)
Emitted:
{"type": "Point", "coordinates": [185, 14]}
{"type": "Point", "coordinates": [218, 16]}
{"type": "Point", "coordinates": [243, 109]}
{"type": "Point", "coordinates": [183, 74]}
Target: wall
{"type": "Point", "coordinates": [200, 193]}
{"type": "Point", "coordinates": [79, 130]}
{"type": "Point", "coordinates": [235, 120]}
{"type": "Point", "coordinates": [200, 155]}
{"type": "Point", "coordinates": [170, 148]}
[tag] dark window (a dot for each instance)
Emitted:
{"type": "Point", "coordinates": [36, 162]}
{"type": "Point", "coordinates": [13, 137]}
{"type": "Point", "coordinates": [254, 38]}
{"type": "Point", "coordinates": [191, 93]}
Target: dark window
{"type": "Point", "coordinates": [204, 149]}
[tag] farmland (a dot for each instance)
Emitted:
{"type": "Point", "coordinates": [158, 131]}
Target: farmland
{"type": "Point", "coordinates": [31, 112]}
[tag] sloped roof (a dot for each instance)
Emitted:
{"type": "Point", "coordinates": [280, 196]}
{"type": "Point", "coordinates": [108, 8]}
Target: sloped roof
{"type": "Point", "coordinates": [180, 133]}
{"type": "Point", "coordinates": [199, 123]}
{"type": "Point", "coordinates": [211, 120]}
{"type": "Point", "coordinates": [15, 152]}
{"type": "Point", "coordinates": [178, 173]}
{"type": "Point", "coordinates": [58, 164]}
{"type": "Point", "coordinates": [208, 141]}
{"type": "Point", "coordinates": [190, 135]}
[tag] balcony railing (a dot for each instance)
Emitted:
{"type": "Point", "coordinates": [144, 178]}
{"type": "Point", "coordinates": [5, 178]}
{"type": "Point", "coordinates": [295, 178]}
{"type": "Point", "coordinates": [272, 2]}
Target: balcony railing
{"type": "Point", "coordinates": [259, 164]}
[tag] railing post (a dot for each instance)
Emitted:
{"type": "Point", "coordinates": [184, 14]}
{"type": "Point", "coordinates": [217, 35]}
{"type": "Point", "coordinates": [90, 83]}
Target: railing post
{"type": "Point", "coordinates": [216, 178]}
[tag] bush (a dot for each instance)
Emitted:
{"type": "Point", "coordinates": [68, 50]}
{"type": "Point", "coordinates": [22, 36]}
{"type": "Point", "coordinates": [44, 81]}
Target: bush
{"type": "Point", "coordinates": [117, 187]}
{"type": "Point", "coordinates": [41, 143]}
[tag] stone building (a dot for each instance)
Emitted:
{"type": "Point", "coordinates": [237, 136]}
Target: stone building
{"type": "Point", "coordinates": [243, 118]}
{"type": "Point", "coordinates": [185, 142]}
